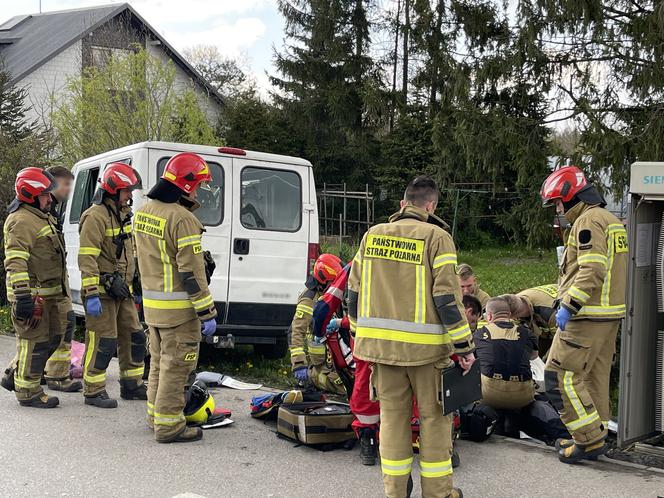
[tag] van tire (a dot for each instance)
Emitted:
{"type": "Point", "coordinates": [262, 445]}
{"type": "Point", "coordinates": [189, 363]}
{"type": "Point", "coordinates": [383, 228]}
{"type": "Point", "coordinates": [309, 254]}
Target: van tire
{"type": "Point", "coordinates": [272, 351]}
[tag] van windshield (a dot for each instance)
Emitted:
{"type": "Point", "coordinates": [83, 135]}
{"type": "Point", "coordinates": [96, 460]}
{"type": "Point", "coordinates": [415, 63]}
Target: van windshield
{"type": "Point", "coordinates": [211, 197]}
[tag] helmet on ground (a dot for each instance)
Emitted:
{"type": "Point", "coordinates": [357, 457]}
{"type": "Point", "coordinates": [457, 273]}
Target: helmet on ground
{"type": "Point", "coordinates": [117, 176]}
{"type": "Point", "coordinates": [200, 404]}
{"type": "Point", "coordinates": [563, 184]}
{"type": "Point", "coordinates": [186, 171]}
{"type": "Point", "coordinates": [326, 268]}
{"type": "Point", "coordinates": [31, 182]}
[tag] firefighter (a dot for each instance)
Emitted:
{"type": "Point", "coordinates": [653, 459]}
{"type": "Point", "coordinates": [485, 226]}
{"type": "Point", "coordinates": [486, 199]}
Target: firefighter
{"type": "Point", "coordinates": [176, 299]}
{"type": "Point", "coordinates": [470, 285]}
{"type": "Point", "coordinates": [504, 351]}
{"type": "Point", "coordinates": [36, 283]}
{"type": "Point", "coordinates": [536, 308]}
{"type": "Point", "coordinates": [309, 359]}
{"type": "Point", "coordinates": [405, 308]}
{"type": "Point", "coordinates": [106, 261]}
{"type": "Point", "coordinates": [57, 367]}
{"type": "Point", "coordinates": [473, 309]}
{"type": "Point", "coordinates": [591, 290]}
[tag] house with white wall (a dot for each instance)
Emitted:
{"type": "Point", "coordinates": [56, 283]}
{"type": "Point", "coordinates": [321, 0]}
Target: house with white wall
{"type": "Point", "coordinates": [43, 51]}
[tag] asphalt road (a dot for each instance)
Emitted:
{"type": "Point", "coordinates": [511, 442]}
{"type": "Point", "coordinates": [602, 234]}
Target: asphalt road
{"type": "Point", "coordinates": [77, 450]}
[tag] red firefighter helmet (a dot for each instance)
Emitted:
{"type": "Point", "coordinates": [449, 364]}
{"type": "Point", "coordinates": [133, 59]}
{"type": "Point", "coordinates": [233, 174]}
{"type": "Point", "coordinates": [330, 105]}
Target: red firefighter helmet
{"type": "Point", "coordinates": [326, 268]}
{"type": "Point", "coordinates": [187, 170]}
{"type": "Point", "coordinates": [563, 184]}
{"type": "Point", "coordinates": [31, 182]}
{"type": "Point", "coordinates": [117, 176]}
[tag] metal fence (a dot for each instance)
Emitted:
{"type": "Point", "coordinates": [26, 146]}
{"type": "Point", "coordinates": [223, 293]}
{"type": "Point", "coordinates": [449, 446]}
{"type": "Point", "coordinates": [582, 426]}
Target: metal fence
{"type": "Point", "coordinates": [345, 213]}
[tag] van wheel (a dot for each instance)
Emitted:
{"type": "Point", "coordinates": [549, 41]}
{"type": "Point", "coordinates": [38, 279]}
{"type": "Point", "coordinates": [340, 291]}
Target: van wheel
{"type": "Point", "coordinates": [272, 351]}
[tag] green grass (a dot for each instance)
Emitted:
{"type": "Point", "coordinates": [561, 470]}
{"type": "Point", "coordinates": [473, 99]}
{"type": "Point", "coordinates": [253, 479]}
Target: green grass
{"type": "Point", "coordinates": [503, 270]}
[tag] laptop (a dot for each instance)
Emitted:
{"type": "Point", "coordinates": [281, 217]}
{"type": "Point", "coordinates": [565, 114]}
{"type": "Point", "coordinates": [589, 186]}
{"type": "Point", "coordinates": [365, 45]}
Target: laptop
{"type": "Point", "coordinates": [459, 390]}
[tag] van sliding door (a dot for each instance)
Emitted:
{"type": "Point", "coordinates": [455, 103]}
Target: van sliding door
{"type": "Point", "coordinates": [269, 242]}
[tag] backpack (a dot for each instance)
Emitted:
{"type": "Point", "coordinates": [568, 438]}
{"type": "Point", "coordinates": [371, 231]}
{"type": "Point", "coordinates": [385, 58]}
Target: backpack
{"type": "Point", "coordinates": [322, 424]}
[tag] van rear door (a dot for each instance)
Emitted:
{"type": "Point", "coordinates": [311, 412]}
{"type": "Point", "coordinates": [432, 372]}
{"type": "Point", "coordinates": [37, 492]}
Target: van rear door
{"type": "Point", "coordinates": [214, 213]}
{"type": "Point", "coordinates": [269, 247]}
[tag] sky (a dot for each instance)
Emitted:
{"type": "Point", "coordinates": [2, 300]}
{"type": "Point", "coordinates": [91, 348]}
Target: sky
{"type": "Point", "coordinates": [239, 28]}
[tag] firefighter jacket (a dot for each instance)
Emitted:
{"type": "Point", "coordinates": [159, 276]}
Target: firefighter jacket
{"type": "Point", "coordinates": [34, 254]}
{"type": "Point", "coordinates": [301, 332]}
{"type": "Point", "coordinates": [170, 258]}
{"type": "Point", "coordinates": [404, 295]}
{"type": "Point", "coordinates": [594, 267]}
{"type": "Point", "coordinates": [504, 350]}
{"type": "Point", "coordinates": [542, 303]}
{"type": "Point", "coordinates": [482, 296]}
{"type": "Point", "coordinates": [103, 233]}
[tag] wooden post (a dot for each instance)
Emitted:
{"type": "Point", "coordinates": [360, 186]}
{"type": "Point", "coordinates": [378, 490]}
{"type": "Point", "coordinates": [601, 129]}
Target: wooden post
{"type": "Point", "coordinates": [325, 206]}
{"type": "Point", "coordinates": [366, 191]}
{"type": "Point", "coordinates": [345, 208]}
{"type": "Point", "coordinates": [340, 230]}
{"type": "Point", "coordinates": [456, 209]}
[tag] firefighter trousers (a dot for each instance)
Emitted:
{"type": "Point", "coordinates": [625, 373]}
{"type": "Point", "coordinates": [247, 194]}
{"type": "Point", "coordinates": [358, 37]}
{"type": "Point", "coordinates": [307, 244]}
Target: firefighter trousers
{"type": "Point", "coordinates": [395, 387]}
{"type": "Point", "coordinates": [174, 355]}
{"type": "Point", "coordinates": [116, 329]}
{"type": "Point", "coordinates": [366, 411]}
{"type": "Point", "coordinates": [33, 348]}
{"type": "Point", "coordinates": [577, 377]}
{"type": "Point", "coordinates": [324, 378]}
{"type": "Point", "coordinates": [57, 366]}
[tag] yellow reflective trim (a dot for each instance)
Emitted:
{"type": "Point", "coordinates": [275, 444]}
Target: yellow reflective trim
{"type": "Point", "coordinates": [19, 277]}
{"type": "Point", "coordinates": [150, 409]}
{"type": "Point", "coordinates": [90, 281]}
{"type": "Point", "coordinates": [296, 351]}
{"type": "Point", "coordinates": [47, 291]}
{"type": "Point", "coordinates": [47, 230]}
{"type": "Point", "coordinates": [357, 259]}
{"type": "Point", "coordinates": [582, 422]}
{"type": "Point", "coordinates": [617, 310]}
{"type": "Point", "coordinates": [166, 266]}
{"type": "Point", "coordinates": [89, 251]}
{"type": "Point", "coordinates": [366, 288]}
{"type": "Point", "coordinates": [190, 240]}
{"type": "Point", "coordinates": [402, 336]}
{"type": "Point", "coordinates": [578, 294]}
{"type": "Point", "coordinates": [59, 355]}
{"type": "Point", "coordinates": [459, 332]}
{"type": "Point", "coordinates": [167, 419]}
{"type": "Point", "coordinates": [435, 469]}
{"type": "Point", "coordinates": [550, 289]}
{"type": "Point", "coordinates": [175, 304]}
{"type": "Point", "coordinates": [592, 258]}
{"type": "Point", "coordinates": [445, 259]}
{"type": "Point", "coordinates": [568, 384]}
{"type": "Point", "coordinates": [316, 349]}
{"type": "Point", "coordinates": [399, 249]}
{"type": "Point", "coordinates": [420, 300]}
{"type": "Point", "coordinates": [110, 232]}
{"type": "Point", "coordinates": [305, 309]}
{"type": "Point", "coordinates": [606, 286]}
{"type": "Point", "coordinates": [15, 253]}
{"type": "Point", "coordinates": [396, 467]}
{"type": "Point", "coordinates": [203, 303]}
{"type": "Point", "coordinates": [133, 372]}
{"type": "Point", "coordinates": [20, 376]}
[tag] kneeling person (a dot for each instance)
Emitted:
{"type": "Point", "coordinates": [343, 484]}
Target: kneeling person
{"type": "Point", "coordinates": [106, 260]}
{"type": "Point", "coordinates": [504, 351]}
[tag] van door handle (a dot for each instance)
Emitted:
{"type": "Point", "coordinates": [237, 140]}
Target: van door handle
{"type": "Point", "coordinates": [241, 246]}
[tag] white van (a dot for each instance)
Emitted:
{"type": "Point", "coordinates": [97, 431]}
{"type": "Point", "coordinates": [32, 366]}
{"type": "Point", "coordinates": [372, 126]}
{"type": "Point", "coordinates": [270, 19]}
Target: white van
{"type": "Point", "coordinates": [261, 222]}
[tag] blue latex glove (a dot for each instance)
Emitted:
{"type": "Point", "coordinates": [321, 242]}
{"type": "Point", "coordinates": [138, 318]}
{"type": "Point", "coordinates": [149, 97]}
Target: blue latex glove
{"type": "Point", "coordinates": [333, 326]}
{"type": "Point", "coordinates": [93, 306]}
{"type": "Point", "coordinates": [209, 327]}
{"type": "Point", "coordinates": [562, 317]}
{"type": "Point", "coordinates": [301, 373]}
{"type": "Point", "coordinates": [138, 299]}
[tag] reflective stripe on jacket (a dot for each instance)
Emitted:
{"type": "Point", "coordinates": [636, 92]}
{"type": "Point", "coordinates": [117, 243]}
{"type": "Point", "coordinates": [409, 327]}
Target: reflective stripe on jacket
{"type": "Point", "coordinates": [404, 295]}
{"type": "Point", "coordinates": [34, 254]}
{"type": "Point", "coordinates": [98, 229]}
{"type": "Point", "coordinates": [300, 333]}
{"type": "Point", "coordinates": [170, 258]}
{"type": "Point", "coordinates": [594, 269]}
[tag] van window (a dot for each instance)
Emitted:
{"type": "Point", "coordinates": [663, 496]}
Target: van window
{"type": "Point", "coordinates": [271, 200]}
{"type": "Point", "coordinates": [84, 189]}
{"type": "Point", "coordinates": [211, 212]}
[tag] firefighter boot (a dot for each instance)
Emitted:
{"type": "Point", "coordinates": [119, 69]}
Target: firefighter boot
{"type": "Point", "coordinates": [65, 385]}
{"type": "Point", "coordinates": [456, 459]}
{"type": "Point", "coordinates": [41, 401]}
{"type": "Point", "coordinates": [456, 493]}
{"type": "Point", "coordinates": [368, 451]}
{"type": "Point", "coordinates": [574, 453]}
{"type": "Point", "coordinates": [7, 380]}
{"type": "Point", "coordinates": [566, 443]}
{"type": "Point", "coordinates": [101, 400]}
{"type": "Point", "coordinates": [187, 435]}
{"type": "Point", "coordinates": [131, 389]}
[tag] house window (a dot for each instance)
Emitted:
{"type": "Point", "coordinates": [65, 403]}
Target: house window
{"type": "Point", "coordinates": [102, 56]}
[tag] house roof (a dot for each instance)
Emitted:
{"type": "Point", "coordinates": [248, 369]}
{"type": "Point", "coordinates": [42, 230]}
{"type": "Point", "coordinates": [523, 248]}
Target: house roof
{"type": "Point", "coordinates": [28, 41]}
